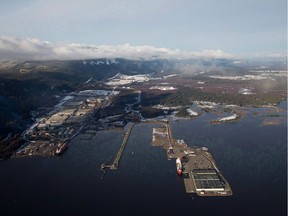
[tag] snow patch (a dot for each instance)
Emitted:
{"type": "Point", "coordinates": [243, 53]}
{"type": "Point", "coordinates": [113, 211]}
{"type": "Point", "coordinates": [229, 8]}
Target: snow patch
{"type": "Point", "coordinates": [121, 79]}
{"type": "Point", "coordinates": [164, 88]}
{"type": "Point", "coordinates": [191, 112]}
{"type": "Point", "coordinates": [228, 118]}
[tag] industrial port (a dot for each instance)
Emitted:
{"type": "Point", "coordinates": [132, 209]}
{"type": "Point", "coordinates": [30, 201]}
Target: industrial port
{"type": "Point", "coordinates": [86, 112]}
{"type": "Point", "coordinates": [50, 134]}
{"type": "Point", "coordinates": [195, 165]}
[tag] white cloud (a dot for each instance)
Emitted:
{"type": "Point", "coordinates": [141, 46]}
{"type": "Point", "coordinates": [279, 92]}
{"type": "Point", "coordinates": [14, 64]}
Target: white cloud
{"type": "Point", "coordinates": [34, 49]}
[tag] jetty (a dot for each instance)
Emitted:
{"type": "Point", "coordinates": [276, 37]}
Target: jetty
{"type": "Point", "coordinates": [115, 163]}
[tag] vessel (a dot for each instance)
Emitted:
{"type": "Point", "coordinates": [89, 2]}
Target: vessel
{"type": "Point", "coordinates": [61, 148]}
{"type": "Point", "coordinates": [179, 166]}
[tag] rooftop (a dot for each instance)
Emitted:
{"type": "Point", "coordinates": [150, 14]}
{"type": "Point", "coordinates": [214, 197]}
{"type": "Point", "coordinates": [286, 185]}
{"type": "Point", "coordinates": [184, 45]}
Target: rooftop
{"type": "Point", "coordinates": [207, 180]}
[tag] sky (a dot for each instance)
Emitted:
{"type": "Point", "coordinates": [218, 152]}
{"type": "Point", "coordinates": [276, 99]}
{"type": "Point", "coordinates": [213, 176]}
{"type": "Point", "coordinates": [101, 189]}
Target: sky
{"type": "Point", "coordinates": [180, 27]}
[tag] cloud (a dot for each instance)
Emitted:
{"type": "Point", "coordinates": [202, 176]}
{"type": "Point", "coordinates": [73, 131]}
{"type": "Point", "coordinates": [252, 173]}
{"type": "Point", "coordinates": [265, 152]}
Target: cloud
{"type": "Point", "coordinates": [34, 49]}
{"type": "Point", "coordinates": [271, 55]}
{"type": "Point", "coordinates": [15, 48]}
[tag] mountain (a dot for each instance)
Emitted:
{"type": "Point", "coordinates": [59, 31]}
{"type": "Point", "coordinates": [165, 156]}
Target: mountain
{"type": "Point", "coordinates": [28, 85]}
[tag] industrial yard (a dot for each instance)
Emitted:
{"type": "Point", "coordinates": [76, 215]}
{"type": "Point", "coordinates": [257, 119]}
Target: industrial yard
{"type": "Point", "coordinates": [68, 118]}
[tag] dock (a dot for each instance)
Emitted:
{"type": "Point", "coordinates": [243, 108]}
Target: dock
{"type": "Point", "coordinates": [115, 163]}
{"type": "Point", "coordinates": [200, 173]}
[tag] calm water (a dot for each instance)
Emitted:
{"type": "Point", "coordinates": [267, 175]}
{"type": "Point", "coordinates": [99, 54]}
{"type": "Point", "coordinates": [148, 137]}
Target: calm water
{"type": "Point", "coordinates": [251, 157]}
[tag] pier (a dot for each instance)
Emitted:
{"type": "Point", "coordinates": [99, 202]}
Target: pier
{"type": "Point", "coordinates": [200, 173]}
{"type": "Point", "coordinates": [114, 165]}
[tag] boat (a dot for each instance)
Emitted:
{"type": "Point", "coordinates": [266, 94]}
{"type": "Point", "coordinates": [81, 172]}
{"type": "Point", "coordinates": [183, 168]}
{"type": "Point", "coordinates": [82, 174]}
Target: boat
{"type": "Point", "coordinates": [61, 148]}
{"type": "Point", "coordinates": [179, 166]}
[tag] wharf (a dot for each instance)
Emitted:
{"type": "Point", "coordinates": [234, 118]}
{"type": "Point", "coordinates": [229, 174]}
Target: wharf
{"type": "Point", "coordinates": [114, 165]}
{"type": "Point", "coordinates": [200, 173]}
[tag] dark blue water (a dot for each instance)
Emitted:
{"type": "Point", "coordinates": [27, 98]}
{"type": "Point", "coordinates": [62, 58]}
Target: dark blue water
{"type": "Point", "coordinates": [252, 157]}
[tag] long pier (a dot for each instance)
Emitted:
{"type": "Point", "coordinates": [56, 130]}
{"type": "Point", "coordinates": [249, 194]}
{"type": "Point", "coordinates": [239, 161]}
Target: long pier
{"type": "Point", "coordinates": [114, 165]}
